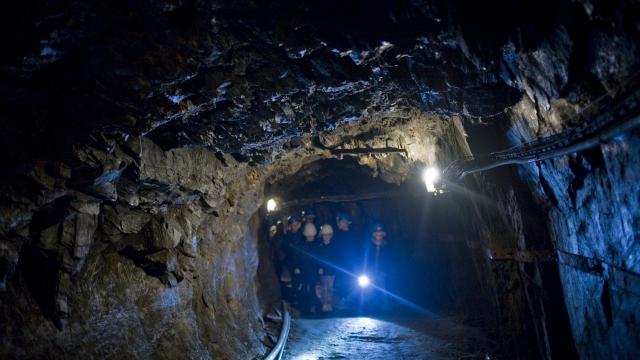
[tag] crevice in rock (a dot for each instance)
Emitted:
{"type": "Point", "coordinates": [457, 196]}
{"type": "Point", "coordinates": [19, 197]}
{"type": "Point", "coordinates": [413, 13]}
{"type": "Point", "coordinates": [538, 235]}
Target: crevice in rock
{"type": "Point", "coordinates": [605, 299]}
{"type": "Point", "coordinates": [40, 273]}
{"type": "Point", "coordinates": [547, 189]}
{"type": "Point", "coordinates": [145, 261]}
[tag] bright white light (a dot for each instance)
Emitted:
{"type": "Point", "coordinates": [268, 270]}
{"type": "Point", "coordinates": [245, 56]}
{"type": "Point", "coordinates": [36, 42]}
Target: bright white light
{"type": "Point", "coordinates": [363, 281]}
{"type": "Point", "coordinates": [271, 205]}
{"type": "Point", "coordinates": [430, 176]}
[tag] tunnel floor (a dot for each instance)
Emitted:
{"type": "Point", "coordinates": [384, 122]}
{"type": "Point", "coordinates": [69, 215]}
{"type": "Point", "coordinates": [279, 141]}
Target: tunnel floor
{"type": "Point", "coordinates": [384, 338]}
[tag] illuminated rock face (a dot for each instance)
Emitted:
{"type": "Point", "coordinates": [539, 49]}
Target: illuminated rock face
{"type": "Point", "coordinates": [592, 213]}
{"type": "Point", "coordinates": [137, 140]}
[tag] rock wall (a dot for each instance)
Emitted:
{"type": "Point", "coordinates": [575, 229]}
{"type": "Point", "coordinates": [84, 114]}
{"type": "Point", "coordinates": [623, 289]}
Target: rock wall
{"type": "Point", "coordinates": [519, 299]}
{"type": "Point", "coordinates": [164, 270]}
{"type": "Point", "coordinates": [592, 218]}
{"type": "Point", "coordinates": [584, 206]}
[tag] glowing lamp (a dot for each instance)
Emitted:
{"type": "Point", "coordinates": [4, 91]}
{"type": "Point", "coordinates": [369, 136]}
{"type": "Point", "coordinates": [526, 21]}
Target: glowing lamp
{"type": "Point", "coordinates": [430, 176]}
{"type": "Point", "coordinates": [271, 205]}
{"type": "Point", "coordinates": [363, 281]}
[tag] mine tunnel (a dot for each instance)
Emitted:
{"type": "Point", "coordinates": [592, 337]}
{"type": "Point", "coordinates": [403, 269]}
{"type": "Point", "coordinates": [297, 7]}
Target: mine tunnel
{"type": "Point", "coordinates": [410, 179]}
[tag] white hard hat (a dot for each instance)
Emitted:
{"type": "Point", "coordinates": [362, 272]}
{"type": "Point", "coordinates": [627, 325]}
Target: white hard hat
{"type": "Point", "coordinates": [309, 230]}
{"type": "Point", "coordinates": [326, 229]}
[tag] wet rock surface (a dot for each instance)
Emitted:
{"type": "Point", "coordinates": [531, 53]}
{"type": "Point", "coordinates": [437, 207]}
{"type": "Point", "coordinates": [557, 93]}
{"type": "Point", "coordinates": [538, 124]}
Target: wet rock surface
{"type": "Point", "coordinates": [364, 337]}
{"type": "Point", "coordinates": [592, 217]}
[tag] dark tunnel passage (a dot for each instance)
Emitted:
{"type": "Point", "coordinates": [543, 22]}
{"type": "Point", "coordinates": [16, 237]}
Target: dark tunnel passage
{"type": "Point", "coordinates": [422, 230]}
{"type": "Point", "coordinates": [472, 167]}
{"type": "Point", "coordinates": [438, 271]}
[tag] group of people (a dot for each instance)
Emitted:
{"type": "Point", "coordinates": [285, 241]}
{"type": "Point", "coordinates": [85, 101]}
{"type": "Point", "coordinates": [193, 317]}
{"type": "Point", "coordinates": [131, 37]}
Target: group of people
{"type": "Point", "coordinates": [317, 263]}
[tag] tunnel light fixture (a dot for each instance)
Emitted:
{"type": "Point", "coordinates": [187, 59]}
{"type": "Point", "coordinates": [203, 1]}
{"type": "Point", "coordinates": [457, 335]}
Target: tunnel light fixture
{"type": "Point", "coordinates": [363, 281]}
{"type": "Point", "coordinates": [430, 176]}
{"type": "Point", "coordinates": [272, 205]}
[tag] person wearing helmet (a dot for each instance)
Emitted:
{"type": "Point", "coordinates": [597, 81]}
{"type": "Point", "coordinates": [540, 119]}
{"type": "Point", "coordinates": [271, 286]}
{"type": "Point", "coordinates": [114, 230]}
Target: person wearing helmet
{"type": "Point", "coordinates": [307, 266]}
{"type": "Point", "coordinates": [343, 220]}
{"type": "Point", "coordinates": [374, 248]}
{"type": "Point", "coordinates": [345, 242]}
{"type": "Point", "coordinates": [378, 261]}
{"type": "Point", "coordinates": [294, 223]}
{"type": "Point", "coordinates": [292, 256]}
{"type": "Point", "coordinates": [273, 231]}
{"type": "Point", "coordinates": [309, 215]}
{"type": "Point", "coordinates": [326, 252]}
{"type": "Point", "coordinates": [309, 231]}
{"type": "Point", "coordinates": [277, 253]}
